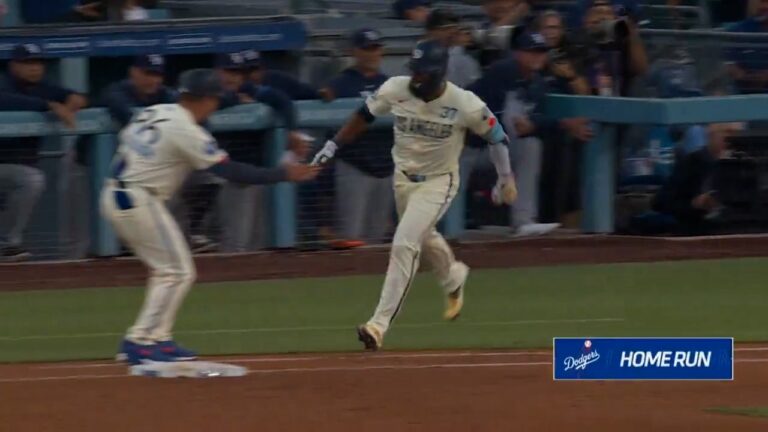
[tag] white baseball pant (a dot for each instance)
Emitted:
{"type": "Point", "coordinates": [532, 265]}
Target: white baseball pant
{"type": "Point", "coordinates": [420, 205]}
{"type": "Point", "coordinates": [146, 226]}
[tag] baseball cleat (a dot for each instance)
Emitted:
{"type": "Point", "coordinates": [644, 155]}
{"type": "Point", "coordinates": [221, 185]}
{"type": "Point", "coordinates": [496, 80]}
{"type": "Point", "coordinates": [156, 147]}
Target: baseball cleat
{"type": "Point", "coordinates": [454, 301]}
{"type": "Point", "coordinates": [136, 354]}
{"type": "Point", "coordinates": [369, 336]}
{"type": "Point", "coordinates": [172, 349]}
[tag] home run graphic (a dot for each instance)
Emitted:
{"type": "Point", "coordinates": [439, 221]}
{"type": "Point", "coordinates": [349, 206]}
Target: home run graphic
{"type": "Point", "coordinates": [642, 358]}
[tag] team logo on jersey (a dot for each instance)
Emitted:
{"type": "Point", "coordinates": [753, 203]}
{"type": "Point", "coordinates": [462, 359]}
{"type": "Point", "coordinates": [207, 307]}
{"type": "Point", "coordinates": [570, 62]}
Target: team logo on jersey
{"type": "Point", "coordinates": [211, 148]}
{"type": "Point", "coordinates": [417, 54]}
{"type": "Point", "coordinates": [423, 127]}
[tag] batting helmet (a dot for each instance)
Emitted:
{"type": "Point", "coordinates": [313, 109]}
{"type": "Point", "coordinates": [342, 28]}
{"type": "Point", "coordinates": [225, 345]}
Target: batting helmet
{"type": "Point", "coordinates": [428, 65]}
{"type": "Point", "coordinates": [200, 83]}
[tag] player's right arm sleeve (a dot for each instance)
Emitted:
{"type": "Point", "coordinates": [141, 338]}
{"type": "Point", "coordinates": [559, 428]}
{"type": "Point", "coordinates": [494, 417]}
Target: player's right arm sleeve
{"type": "Point", "coordinates": [242, 173]}
{"type": "Point", "coordinates": [10, 101]}
{"type": "Point", "coordinates": [199, 148]}
{"type": "Point", "coordinates": [380, 103]}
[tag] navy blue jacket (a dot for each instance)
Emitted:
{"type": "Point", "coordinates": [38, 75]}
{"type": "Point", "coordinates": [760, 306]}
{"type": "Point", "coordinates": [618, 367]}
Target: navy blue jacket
{"type": "Point", "coordinates": [295, 89]}
{"type": "Point", "coordinates": [276, 99]}
{"type": "Point", "coordinates": [372, 152]}
{"type": "Point", "coordinates": [504, 80]}
{"type": "Point", "coordinates": [243, 145]}
{"type": "Point", "coordinates": [121, 98]}
{"type": "Point", "coordinates": [18, 96]}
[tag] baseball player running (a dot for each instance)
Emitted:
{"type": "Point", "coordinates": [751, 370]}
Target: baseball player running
{"type": "Point", "coordinates": [158, 149]}
{"type": "Point", "coordinates": [431, 119]}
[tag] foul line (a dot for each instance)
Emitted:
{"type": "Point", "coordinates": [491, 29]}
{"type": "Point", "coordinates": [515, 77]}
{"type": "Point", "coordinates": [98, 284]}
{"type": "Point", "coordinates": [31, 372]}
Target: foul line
{"type": "Point", "coordinates": [311, 328]}
{"type": "Point", "coordinates": [330, 369]}
{"type": "Point", "coordinates": [360, 356]}
{"type": "Point", "coordinates": [298, 370]}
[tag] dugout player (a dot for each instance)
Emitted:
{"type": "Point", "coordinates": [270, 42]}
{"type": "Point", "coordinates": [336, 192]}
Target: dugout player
{"type": "Point", "coordinates": [363, 178]}
{"type": "Point", "coordinates": [26, 89]}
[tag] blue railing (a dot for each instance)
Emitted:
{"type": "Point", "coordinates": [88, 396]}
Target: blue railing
{"type": "Point", "coordinates": [97, 123]}
{"type": "Point", "coordinates": [599, 164]}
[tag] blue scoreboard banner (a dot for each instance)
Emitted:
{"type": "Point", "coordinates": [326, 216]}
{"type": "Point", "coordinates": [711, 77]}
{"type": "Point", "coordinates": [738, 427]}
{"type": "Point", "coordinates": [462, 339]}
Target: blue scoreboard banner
{"type": "Point", "coordinates": [642, 358]}
{"type": "Point", "coordinates": [185, 37]}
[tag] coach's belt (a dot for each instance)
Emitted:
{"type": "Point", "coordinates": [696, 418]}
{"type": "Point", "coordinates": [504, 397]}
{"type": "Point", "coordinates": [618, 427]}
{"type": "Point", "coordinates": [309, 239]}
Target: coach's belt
{"type": "Point", "coordinates": [416, 178]}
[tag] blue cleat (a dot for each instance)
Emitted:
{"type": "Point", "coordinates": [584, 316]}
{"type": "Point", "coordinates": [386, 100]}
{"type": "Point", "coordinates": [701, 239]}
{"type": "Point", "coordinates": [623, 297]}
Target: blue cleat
{"type": "Point", "coordinates": [172, 349]}
{"type": "Point", "coordinates": [136, 354]}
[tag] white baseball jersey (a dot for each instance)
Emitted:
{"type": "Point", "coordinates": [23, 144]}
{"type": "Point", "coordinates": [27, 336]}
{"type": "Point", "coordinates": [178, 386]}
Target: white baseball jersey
{"type": "Point", "coordinates": [429, 136]}
{"type": "Point", "coordinates": [161, 146]}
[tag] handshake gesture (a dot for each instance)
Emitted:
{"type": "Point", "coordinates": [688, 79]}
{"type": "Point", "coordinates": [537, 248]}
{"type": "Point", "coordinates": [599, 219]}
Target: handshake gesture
{"type": "Point", "coordinates": [505, 191]}
{"type": "Point", "coordinates": [325, 154]}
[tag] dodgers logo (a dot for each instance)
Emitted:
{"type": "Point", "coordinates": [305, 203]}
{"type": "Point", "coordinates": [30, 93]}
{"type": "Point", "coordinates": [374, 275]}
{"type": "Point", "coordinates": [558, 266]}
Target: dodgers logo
{"type": "Point", "coordinates": [587, 357]}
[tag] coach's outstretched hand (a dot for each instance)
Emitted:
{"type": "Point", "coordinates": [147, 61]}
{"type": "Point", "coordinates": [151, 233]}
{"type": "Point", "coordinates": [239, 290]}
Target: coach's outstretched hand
{"type": "Point", "coordinates": [301, 173]}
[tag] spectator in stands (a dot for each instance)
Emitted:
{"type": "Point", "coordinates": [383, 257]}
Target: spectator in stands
{"type": "Point", "coordinates": [24, 89]}
{"type": "Point", "coordinates": [58, 11]}
{"type": "Point", "coordinates": [364, 199]}
{"type": "Point", "coordinates": [443, 25]}
{"type": "Point", "coordinates": [514, 90]}
{"type": "Point", "coordinates": [132, 10]}
{"type": "Point", "coordinates": [615, 54]}
{"type": "Point", "coordinates": [581, 8]}
{"type": "Point", "coordinates": [258, 75]}
{"type": "Point", "coordinates": [690, 195]}
{"type": "Point", "coordinates": [3, 11]}
{"type": "Point", "coordinates": [498, 36]}
{"type": "Point", "coordinates": [415, 11]}
{"type": "Point", "coordinates": [748, 66]}
{"type": "Point", "coordinates": [143, 87]}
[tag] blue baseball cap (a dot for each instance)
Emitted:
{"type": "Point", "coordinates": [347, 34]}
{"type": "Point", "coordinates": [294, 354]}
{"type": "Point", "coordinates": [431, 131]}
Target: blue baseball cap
{"type": "Point", "coordinates": [429, 56]}
{"type": "Point", "coordinates": [252, 59]}
{"type": "Point", "coordinates": [401, 6]}
{"type": "Point", "coordinates": [532, 42]}
{"type": "Point", "coordinates": [366, 38]}
{"type": "Point", "coordinates": [232, 61]}
{"type": "Point", "coordinates": [150, 63]}
{"type": "Point", "coordinates": [27, 51]}
{"type": "Point", "coordinates": [200, 83]}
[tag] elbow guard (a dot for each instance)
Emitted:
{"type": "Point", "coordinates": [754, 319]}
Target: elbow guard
{"type": "Point", "coordinates": [365, 113]}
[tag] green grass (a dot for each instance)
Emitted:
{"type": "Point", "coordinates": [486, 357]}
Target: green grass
{"type": "Point", "coordinates": [746, 412]}
{"type": "Point", "coordinates": [505, 308]}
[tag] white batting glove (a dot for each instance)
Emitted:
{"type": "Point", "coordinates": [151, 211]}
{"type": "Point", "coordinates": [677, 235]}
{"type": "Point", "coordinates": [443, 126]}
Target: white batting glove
{"type": "Point", "coordinates": [505, 191]}
{"type": "Point", "coordinates": [325, 154]}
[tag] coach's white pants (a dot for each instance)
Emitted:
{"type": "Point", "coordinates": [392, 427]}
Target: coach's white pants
{"type": "Point", "coordinates": [150, 231]}
{"type": "Point", "coordinates": [420, 206]}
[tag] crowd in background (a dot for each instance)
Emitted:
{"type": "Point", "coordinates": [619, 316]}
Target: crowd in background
{"type": "Point", "coordinates": [512, 61]}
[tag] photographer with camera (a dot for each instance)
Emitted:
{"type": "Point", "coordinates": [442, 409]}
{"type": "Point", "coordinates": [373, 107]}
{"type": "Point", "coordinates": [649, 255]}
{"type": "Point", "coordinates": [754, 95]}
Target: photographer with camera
{"type": "Point", "coordinates": [563, 70]}
{"type": "Point", "coordinates": [611, 48]}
